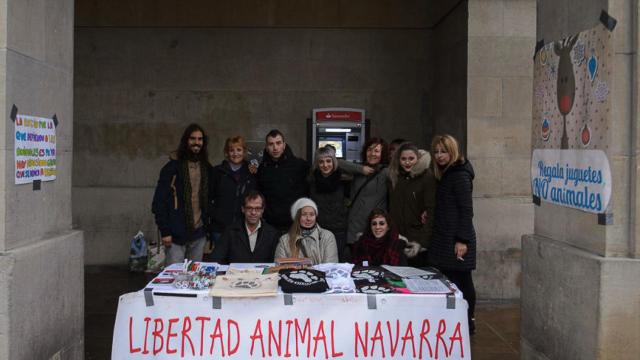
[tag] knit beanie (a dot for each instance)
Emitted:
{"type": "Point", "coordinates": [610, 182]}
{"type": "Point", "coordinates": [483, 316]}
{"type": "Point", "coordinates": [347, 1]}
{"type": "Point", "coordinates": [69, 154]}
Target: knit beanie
{"type": "Point", "coordinates": [300, 203]}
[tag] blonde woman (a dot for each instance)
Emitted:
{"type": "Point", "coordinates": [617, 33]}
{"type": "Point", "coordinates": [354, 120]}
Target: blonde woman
{"type": "Point", "coordinates": [412, 196]}
{"type": "Point", "coordinates": [306, 239]}
{"type": "Point", "coordinates": [453, 245]}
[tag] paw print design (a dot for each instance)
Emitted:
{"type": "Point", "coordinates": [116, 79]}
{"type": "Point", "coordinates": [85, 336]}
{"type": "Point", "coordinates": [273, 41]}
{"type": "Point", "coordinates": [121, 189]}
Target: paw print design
{"type": "Point", "coordinates": [245, 284]}
{"type": "Point", "coordinates": [370, 275]}
{"type": "Point", "coordinates": [375, 289]}
{"type": "Point", "coordinates": [306, 276]}
{"type": "Point", "coordinates": [337, 273]}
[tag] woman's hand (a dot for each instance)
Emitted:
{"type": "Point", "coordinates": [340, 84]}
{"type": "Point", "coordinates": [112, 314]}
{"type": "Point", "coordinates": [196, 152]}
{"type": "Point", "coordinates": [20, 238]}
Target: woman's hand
{"type": "Point", "coordinates": [253, 167]}
{"type": "Point", "coordinates": [367, 170]}
{"type": "Point", "coordinates": [461, 250]}
{"type": "Point", "coordinates": [423, 217]}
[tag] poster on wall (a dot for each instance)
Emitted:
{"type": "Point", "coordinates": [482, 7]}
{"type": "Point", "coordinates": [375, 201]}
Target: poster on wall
{"type": "Point", "coordinates": [571, 121]}
{"type": "Point", "coordinates": [35, 149]}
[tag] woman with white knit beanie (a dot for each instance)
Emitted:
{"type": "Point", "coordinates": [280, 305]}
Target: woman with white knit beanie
{"type": "Point", "coordinates": [306, 239]}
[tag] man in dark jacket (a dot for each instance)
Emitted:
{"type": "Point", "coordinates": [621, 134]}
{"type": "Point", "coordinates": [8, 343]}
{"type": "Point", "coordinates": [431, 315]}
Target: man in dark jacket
{"type": "Point", "coordinates": [181, 199]}
{"type": "Point", "coordinates": [282, 180]}
{"type": "Point", "coordinates": [250, 240]}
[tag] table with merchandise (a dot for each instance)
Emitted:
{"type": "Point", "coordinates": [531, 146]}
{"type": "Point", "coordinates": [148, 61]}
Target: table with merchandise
{"type": "Point", "coordinates": [257, 311]}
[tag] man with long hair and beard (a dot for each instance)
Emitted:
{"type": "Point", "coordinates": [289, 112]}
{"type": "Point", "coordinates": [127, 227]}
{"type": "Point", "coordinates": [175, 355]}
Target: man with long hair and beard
{"type": "Point", "coordinates": [181, 200]}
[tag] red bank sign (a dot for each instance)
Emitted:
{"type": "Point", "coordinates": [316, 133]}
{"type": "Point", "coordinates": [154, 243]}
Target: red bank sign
{"type": "Point", "coordinates": [355, 116]}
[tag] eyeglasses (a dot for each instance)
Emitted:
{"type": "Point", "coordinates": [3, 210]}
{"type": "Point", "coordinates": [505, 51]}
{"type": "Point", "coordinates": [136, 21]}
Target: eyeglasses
{"type": "Point", "coordinates": [376, 223]}
{"type": "Point", "coordinates": [253, 209]}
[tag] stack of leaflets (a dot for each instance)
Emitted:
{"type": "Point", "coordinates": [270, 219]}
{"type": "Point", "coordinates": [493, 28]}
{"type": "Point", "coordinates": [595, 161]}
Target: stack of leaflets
{"type": "Point", "coordinates": [421, 281]}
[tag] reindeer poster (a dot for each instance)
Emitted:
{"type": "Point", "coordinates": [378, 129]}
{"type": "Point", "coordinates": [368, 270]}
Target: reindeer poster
{"type": "Point", "coordinates": [571, 120]}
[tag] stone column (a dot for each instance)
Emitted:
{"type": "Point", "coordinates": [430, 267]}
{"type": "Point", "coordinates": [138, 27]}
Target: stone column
{"type": "Point", "coordinates": [41, 257]}
{"type": "Point", "coordinates": [580, 279]}
{"type": "Point", "coordinates": [500, 48]}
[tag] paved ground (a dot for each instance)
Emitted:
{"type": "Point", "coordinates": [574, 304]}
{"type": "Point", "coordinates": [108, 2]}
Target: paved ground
{"type": "Point", "coordinates": [497, 324]}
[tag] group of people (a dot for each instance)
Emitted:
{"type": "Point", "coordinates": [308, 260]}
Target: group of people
{"type": "Point", "coordinates": [400, 206]}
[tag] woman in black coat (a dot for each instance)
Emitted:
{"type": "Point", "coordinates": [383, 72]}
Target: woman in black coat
{"type": "Point", "coordinates": [453, 245]}
{"type": "Point", "coordinates": [326, 188]}
{"type": "Point", "coordinates": [230, 181]}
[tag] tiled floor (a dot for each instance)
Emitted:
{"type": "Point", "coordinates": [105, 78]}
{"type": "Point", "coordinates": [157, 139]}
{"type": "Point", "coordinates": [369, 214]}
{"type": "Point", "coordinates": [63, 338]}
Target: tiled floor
{"type": "Point", "coordinates": [497, 332]}
{"type": "Point", "coordinates": [497, 325]}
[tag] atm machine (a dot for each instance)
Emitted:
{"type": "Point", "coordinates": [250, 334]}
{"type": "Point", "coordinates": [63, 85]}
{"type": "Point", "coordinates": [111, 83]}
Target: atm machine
{"type": "Point", "coordinates": [345, 129]}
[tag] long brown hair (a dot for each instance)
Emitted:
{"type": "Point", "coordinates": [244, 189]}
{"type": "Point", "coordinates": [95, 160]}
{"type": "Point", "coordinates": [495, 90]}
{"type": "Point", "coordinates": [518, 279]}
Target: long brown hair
{"type": "Point", "coordinates": [451, 146]}
{"type": "Point", "coordinates": [183, 149]}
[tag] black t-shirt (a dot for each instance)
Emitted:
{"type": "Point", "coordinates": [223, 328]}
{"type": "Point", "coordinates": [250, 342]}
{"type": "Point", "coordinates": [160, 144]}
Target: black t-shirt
{"type": "Point", "coordinates": [372, 279]}
{"type": "Point", "coordinates": [302, 281]}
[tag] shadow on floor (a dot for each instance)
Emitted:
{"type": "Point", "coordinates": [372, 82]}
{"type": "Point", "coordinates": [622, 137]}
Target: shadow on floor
{"type": "Point", "coordinates": [497, 324]}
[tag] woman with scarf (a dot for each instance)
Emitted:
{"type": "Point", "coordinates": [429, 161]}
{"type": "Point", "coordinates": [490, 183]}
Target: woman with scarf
{"type": "Point", "coordinates": [326, 189]}
{"type": "Point", "coordinates": [380, 244]}
{"type": "Point", "coordinates": [412, 197]}
{"type": "Point", "coordinates": [306, 239]}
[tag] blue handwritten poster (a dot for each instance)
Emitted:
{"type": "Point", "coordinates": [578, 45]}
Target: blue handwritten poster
{"type": "Point", "coordinates": [580, 179]}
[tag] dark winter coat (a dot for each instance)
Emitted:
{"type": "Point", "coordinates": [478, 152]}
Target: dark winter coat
{"type": "Point", "coordinates": [168, 205]}
{"type": "Point", "coordinates": [454, 220]}
{"type": "Point", "coordinates": [227, 193]}
{"type": "Point", "coordinates": [233, 246]}
{"type": "Point", "coordinates": [282, 182]}
{"type": "Point", "coordinates": [332, 209]}
{"type": "Point", "coordinates": [413, 194]}
{"type": "Point", "coordinates": [373, 195]}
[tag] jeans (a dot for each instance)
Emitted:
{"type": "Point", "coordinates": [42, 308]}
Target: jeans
{"type": "Point", "coordinates": [192, 250]}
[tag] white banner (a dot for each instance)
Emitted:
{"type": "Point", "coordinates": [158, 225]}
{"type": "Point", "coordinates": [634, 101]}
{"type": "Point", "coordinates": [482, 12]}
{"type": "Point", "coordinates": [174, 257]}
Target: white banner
{"type": "Point", "coordinates": [580, 179]}
{"type": "Point", "coordinates": [35, 149]}
{"type": "Point", "coordinates": [314, 326]}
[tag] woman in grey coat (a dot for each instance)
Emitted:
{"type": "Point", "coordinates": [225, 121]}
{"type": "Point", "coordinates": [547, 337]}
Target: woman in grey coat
{"type": "Point", "coordinates": [306, 239]}
{"type": "Point", "coordinates": [369, 186]}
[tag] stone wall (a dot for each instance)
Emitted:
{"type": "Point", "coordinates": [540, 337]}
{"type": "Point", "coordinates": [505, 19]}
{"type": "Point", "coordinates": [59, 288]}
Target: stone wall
{"type": "Point", "coordinates": [41, 258]}
{"type": "Point", "coordinates": [578, 292]}
{"type": "Point", "coordinates": [137, 87]}
{"type": "Point", "coordinates": [499, 94]}
{"type": "Point", "coordinates": [141, 79]}
{"type": "Point", "coordinates": [449, 53]}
